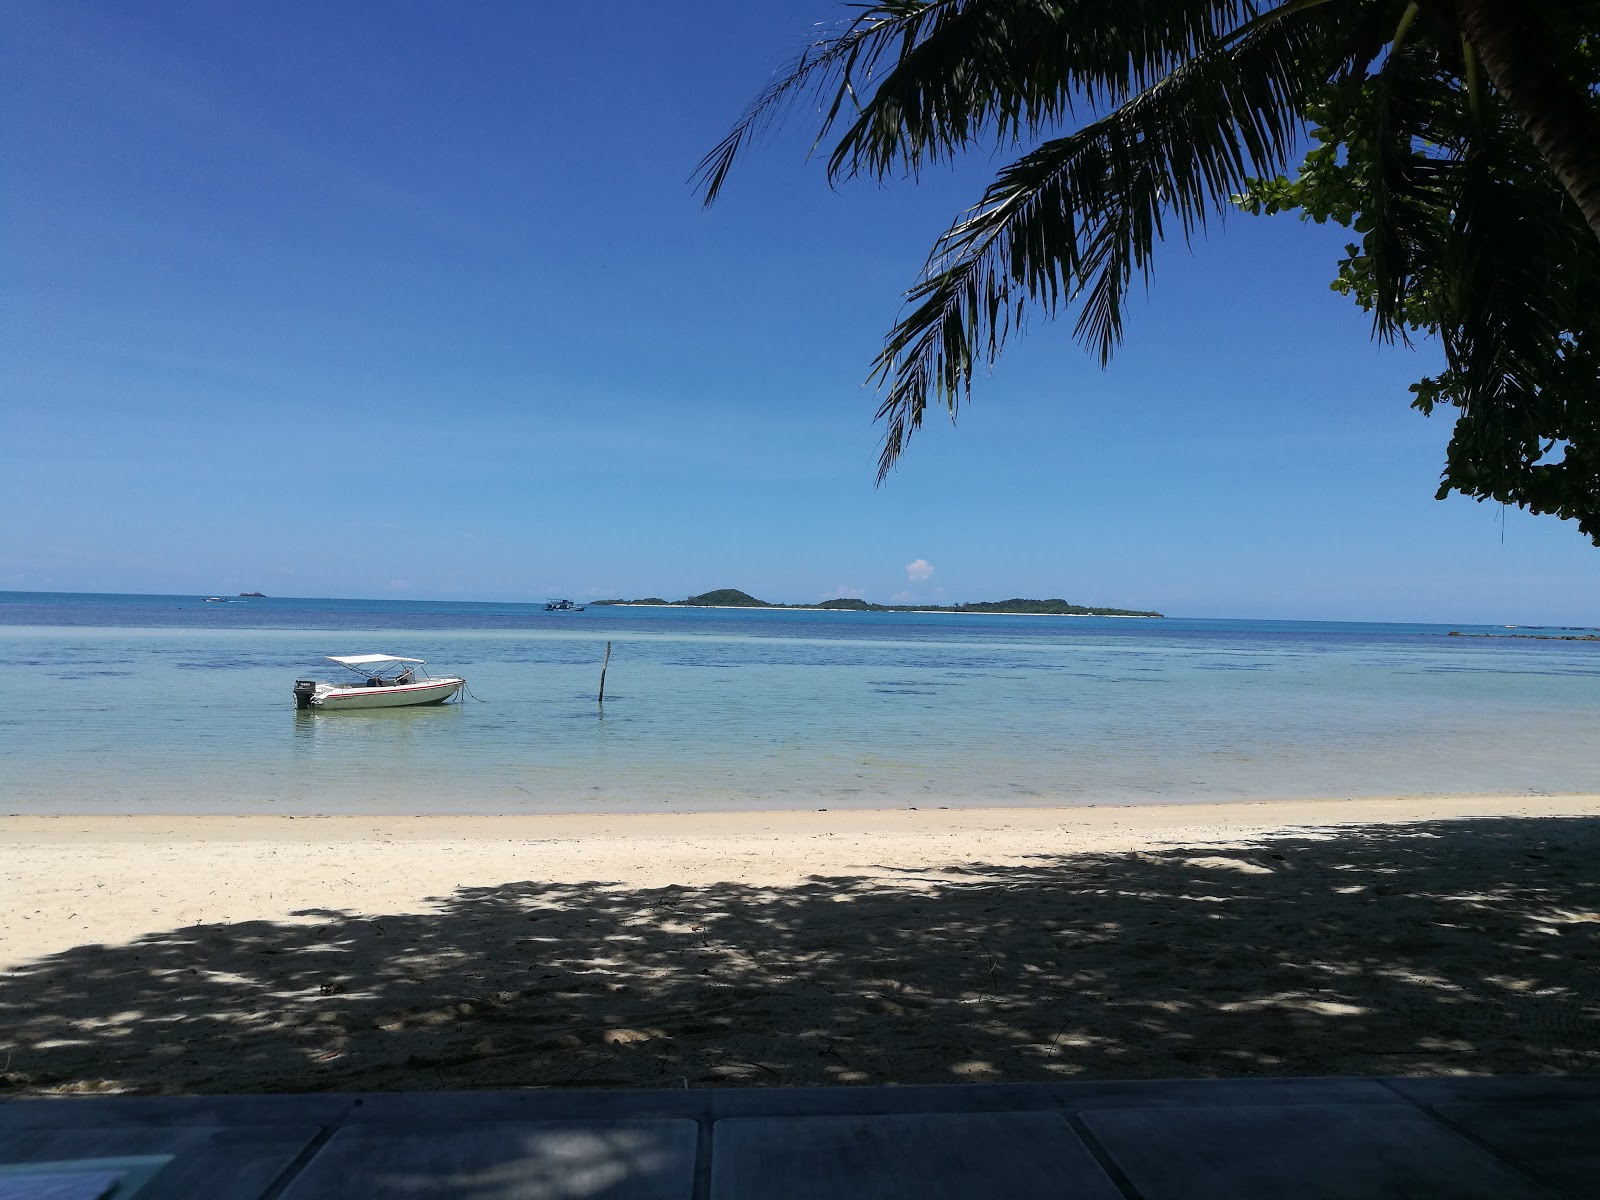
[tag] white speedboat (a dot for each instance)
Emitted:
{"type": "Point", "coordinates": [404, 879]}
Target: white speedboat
{"type": "Point", "coordinates": [387, 682]}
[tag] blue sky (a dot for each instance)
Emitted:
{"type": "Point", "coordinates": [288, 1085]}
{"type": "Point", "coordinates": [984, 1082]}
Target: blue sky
{"type": "Point", "coordinates": [415, 300]}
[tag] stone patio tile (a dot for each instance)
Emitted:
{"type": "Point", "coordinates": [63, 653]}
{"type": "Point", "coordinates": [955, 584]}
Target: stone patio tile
{"type": "Point", "coordinates": [239, 1162]}
{"type": "Point", "coordinates": [1558, 1143]}
{"type": "Point", "coordinates": [514, 1160]}
{"type": "Point", "coordinates": [1220, 1093]}
{"type": "Point", "coordinates": [69, 1111]}
{"type": "Point", "coordinates": [553, 1104]}
{"type": "Point", "coordinates": [1310, 1152]}
{"type": "Point", "coordinates": [1036, 1097]}
{"type": "Point", "coordinates": [725, 1103]}
{"type": "Point", "coordinates": [931, 1156]}
{"type": "Point", "coordinates": [1473, 1089]}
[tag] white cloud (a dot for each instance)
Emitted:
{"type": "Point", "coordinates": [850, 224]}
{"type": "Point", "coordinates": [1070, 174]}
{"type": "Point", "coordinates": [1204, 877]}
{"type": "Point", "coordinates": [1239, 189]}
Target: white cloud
{"type": "Point", "coordinates": [902, 598]}
{"type": "Point", "coordinates": [919, 570]}
{"type": "Point", "coordinates": [845, 591]}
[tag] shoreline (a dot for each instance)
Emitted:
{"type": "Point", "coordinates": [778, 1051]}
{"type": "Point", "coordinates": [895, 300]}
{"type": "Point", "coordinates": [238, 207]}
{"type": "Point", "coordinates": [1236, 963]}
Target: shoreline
{"type": "Point", "coordinates": [584, 814]}
{"type": "Point", "coordinates": [22, 828]}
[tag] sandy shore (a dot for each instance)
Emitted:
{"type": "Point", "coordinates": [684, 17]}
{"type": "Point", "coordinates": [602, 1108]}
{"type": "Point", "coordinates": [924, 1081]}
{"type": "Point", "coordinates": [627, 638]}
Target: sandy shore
{"type": "Point", "coordinates": [244, 953]}
{"type": "Point", "coordinates": [110, 879]}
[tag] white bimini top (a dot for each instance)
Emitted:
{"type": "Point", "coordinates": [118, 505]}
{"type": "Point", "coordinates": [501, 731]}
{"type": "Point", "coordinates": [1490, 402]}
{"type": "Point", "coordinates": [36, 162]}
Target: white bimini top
{"type": "Point", "coordinates": [364, 660]}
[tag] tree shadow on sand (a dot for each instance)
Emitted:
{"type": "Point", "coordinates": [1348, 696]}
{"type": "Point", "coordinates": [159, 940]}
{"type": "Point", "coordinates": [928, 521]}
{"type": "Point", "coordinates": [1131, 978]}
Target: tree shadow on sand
{"type": "Point", "coordinates": [1448, 947]}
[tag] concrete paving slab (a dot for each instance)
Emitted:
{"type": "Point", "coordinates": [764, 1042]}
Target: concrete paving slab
{"type": "Point", "coordinates": [237, 1162]}
{"type": "Point", "coordinates": [1311, 1152]}
{"type": "Point", "coordinates": [1558, 1144]}
{"type": "Point", "coordinates": [456, 1108]}
{"type": "Point", "coordinates": [1478, 1089]}
{"type": "Point", "coordinates": [676, 1103]}
{"type": "Point", "coordinates": [100, 1111]}
{"type": "Point", "coordinates": [1219, 1093]}
{"type": "Point", "coordinates": [1036, 1097]}
{"type": "Point", "coordinates": [726, 1103]}
{"type": "Point", "coordinates": [1233, 1139]}
{"type": "Point", "coordinates": [82, 1178]}
{"type": "Point", "coordinates": [513, 1160]}
{"type": "Point", "coordinates": [929, 1156]}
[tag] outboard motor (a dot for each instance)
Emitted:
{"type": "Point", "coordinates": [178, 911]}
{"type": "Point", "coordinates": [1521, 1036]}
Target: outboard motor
{"type": "Point", "coordinates": [304, 689]}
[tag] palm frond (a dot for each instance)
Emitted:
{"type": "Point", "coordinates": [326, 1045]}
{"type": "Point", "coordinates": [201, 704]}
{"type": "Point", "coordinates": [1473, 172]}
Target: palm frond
{"type": "Point", "coordinates": [1008, 69]}
{"type": "Point", "coordinates": [1079, 216]}
{"type": "Point", "coordinates": [927, 78]}
{"type": "Point", "coordinates": [844, 55]}
{"type": "Point", "coordinates": [1515, 265]}
{"type": "Point", "coordinates": [1407, 192]}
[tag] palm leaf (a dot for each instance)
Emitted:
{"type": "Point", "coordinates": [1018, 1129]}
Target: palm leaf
{"type": "Point", "coordinates": [1077, 217]}
{"type": "Point", "coordinates": [960, 70]}
{"type": "Point", "coordinates": [1010, 69]}
{"type": "Point", "coordinates": [844, 56]}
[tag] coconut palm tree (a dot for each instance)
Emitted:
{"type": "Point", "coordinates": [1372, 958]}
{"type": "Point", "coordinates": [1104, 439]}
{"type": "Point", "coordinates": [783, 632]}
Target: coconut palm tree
{"type": "Point", "coordinates": [1461, 138]}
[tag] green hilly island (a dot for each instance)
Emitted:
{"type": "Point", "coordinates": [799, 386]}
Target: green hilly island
{"type": "Point", "coordinates": [734, 598]}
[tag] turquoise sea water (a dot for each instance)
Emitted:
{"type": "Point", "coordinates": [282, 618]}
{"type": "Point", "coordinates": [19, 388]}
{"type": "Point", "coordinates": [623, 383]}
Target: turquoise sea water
{"type": "Point", "coordinates": [168, 704]}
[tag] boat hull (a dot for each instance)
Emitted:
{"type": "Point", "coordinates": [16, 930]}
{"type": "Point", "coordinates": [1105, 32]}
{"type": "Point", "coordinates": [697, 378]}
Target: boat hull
{"type": "Point", "coordinates": [403, 695]}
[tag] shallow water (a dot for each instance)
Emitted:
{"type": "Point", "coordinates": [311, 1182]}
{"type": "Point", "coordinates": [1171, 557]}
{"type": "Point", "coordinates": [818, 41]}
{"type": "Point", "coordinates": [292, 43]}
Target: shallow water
{"type": "Point", "coordinates": [169, 704]}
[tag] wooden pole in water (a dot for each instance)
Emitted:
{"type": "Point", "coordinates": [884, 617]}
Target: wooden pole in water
{"type": "Point", "coordinates": [603, 667]}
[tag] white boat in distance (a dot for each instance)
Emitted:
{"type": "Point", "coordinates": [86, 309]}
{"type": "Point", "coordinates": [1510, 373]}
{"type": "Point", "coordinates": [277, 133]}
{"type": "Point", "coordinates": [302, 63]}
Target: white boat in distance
{"type": "Point", "coordinates": [388, 682]}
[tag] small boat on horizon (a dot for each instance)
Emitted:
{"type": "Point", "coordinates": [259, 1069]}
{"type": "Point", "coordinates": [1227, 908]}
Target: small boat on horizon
{"type": "Point", "coordinates": [388, 682]}
{"type": "Point", "coordinates": [564, 606]}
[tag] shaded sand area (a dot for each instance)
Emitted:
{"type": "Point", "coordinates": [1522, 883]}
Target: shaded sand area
{"type": "Point", "coordinates": [1379, 937]}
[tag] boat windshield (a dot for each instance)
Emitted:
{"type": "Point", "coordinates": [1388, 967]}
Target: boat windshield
{"type": "Point", "coordinates": [381, 668]}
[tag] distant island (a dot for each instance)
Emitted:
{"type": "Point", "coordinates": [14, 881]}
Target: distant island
{"type": "Point", "coordinates": [1543, 637]}
{"type": "Point", "coordinates": [251, 596]}
{"type": "Point", "coordinates": [734, 598]}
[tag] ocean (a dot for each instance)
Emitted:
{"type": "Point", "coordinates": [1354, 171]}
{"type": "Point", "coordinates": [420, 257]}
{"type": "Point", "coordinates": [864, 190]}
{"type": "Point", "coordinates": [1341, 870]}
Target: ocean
{"type": "Point", "coordinates": [168, 704]}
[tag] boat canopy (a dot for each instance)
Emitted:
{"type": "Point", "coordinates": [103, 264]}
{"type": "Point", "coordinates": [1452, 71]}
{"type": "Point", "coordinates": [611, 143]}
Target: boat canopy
{"type": "Point", "coordinates": [364, 660]}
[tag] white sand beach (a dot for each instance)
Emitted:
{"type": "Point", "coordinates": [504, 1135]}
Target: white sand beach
{"type": "Point", "coordinates": [1387, 936]}
{"type": "Point", "coordinates": [77, 879]}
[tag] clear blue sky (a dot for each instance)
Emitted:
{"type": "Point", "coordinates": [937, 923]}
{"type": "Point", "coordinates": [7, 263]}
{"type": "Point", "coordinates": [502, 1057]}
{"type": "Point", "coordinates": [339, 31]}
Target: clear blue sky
{"type": "Point", "coordinates": [413, 299]}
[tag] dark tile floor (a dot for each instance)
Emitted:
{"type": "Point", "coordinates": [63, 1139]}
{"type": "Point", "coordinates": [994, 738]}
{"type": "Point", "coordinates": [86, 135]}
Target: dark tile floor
{"type": "Point", "coordinates": [1362, 1139]}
